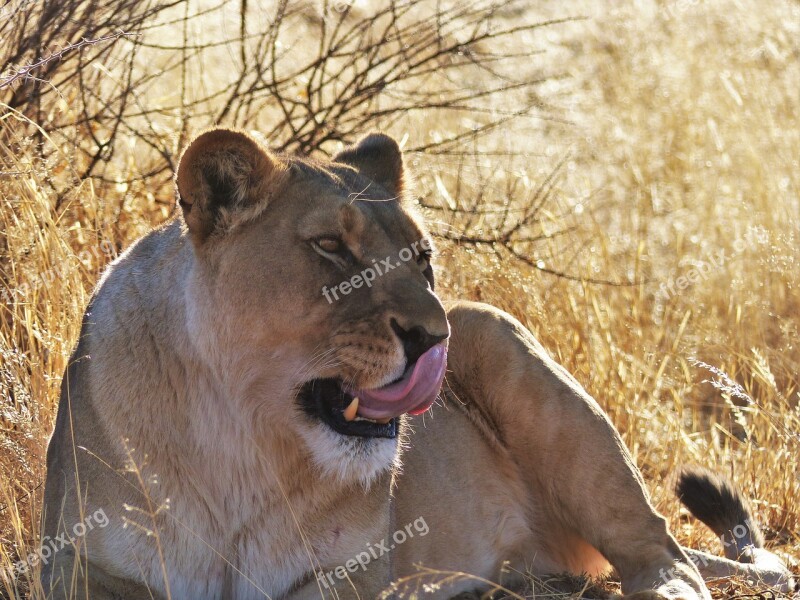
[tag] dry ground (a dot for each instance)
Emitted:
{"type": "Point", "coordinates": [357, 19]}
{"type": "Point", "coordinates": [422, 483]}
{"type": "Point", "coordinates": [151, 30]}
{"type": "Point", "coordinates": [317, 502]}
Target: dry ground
{"type": "Point", "coordinates": [670, 153]}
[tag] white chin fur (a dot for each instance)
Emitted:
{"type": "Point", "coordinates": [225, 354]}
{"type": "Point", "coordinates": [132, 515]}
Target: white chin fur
{"type": "Point", "coordinates": [350, 458]}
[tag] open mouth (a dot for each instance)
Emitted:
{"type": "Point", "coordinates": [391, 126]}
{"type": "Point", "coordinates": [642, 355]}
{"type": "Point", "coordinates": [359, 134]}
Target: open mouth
{"type": "Point", "coordinates": [374, 412]}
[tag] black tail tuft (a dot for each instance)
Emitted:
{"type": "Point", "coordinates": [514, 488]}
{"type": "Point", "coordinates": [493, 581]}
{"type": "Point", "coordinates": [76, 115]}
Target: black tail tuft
{"type": "Point", "coordinates": [720, 505]}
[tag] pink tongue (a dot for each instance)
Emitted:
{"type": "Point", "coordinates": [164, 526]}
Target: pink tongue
{"type": "Point", "coordinates": [414, 393]}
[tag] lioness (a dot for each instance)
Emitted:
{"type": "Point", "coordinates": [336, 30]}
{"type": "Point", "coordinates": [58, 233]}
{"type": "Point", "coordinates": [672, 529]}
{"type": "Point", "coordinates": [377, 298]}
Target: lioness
{"type": "Point", "coordinates": [237, 406]}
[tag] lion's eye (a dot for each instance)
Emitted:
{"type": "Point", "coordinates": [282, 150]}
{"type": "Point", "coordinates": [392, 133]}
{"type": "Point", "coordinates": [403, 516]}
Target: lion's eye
{"type": "Point", "coordinates": [331, 245]}
{"type": "Point", "coordinates": [424, 260]}
{"type": "Point", "coordinates": [334, 250]}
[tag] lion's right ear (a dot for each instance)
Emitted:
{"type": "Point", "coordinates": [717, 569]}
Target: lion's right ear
{"type": "Point", "coordinates": [220, 174]}
{"type": "Point", "coordinates": [378, 157]}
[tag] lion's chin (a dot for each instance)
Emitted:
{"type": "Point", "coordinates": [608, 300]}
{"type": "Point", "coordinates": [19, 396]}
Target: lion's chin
{"type": "Point", "coordinates": [346, 458]}
{"type": "Point", "coordinates": [344, 447]}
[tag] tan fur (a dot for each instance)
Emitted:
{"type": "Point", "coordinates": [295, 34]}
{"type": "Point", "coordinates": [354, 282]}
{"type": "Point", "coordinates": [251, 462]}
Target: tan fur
{"type": "Point", "coordinates": [178, 415]}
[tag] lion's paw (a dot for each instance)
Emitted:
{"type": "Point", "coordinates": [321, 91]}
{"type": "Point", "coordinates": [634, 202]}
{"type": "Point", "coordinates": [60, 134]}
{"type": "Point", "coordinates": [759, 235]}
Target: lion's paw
{"type": "Point", "coordinates": [647, 595]}
{"type": "Point", "coordinates": [473, 595]}
{"type": "Point", "coordinates": [661, 595]}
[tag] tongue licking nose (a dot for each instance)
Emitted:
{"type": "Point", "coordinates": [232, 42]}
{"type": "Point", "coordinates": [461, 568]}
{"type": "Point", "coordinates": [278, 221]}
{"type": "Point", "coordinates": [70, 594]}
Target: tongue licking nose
{"type": "Point", "coordinates": [414, 393]}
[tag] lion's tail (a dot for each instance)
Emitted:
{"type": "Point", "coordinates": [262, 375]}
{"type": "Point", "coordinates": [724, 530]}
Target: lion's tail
{"type": "Point", "coordinates": [719, 504]}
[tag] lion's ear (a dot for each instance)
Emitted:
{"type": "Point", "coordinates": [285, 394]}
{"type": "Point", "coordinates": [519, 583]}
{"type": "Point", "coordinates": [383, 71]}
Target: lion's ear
{"type": "Point", "coordinates": [378, 157]}
{"type": "Point", "coordinates": [221, 172]}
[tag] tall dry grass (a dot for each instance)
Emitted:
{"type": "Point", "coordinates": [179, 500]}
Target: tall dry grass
{"type": "Point", "coordinates": [654, 166]}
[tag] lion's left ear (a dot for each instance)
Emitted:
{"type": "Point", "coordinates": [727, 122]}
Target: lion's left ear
{"type": "Point", "coordinates": [378, 157]}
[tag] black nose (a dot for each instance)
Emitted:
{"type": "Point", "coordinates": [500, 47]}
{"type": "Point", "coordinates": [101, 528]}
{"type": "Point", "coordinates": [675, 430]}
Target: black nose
{"type": "Point", "coordinates": [416, 341]}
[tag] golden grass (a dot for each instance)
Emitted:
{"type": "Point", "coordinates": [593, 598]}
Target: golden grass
{"type": "Point", "coordinates": [683, 144]}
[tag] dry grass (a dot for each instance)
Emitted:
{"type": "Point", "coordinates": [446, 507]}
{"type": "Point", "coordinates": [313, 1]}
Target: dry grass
{"type": "Point", "coordinates": [677, 131]}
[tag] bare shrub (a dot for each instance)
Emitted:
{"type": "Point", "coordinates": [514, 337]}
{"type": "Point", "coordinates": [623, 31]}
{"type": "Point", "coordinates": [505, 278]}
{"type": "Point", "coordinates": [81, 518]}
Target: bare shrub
{"type": "Point", "coordinates": [308, 76]}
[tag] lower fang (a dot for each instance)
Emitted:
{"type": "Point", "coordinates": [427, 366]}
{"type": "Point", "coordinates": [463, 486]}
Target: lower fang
{"type": "Point", "coordinates": [385, 421]}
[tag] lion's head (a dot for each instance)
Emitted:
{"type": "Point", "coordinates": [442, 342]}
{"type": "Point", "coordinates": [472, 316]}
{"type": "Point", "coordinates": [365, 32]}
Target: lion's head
{"type": "Point", "coordinates": [317, 273]}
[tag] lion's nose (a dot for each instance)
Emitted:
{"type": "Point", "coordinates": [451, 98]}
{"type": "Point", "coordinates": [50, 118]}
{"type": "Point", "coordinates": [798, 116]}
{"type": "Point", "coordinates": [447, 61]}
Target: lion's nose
{"type": "Point", "coordinates": [416, 341]}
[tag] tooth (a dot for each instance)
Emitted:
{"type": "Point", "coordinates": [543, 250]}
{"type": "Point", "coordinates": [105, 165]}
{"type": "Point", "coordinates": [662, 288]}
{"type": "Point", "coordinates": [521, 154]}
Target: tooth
{"type": "Point", "coordinates": [384, 421]}
{"type": "Point", "coordinates": [350, 411]}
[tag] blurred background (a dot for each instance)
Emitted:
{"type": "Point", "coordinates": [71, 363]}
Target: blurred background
{"type": "Point", "coordinates": [623, 177]}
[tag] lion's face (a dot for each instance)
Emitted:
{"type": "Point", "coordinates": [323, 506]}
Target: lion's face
{"type": "Point", "coordinates": [319, 271]}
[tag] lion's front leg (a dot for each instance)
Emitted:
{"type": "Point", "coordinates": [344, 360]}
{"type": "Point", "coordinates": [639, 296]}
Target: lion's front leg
{"type": "Point", "coordinates": [569, 455]}
{"type": "Point", "coordinates": [70, 578]}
